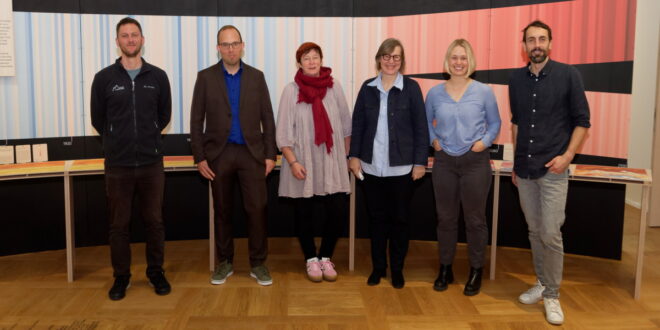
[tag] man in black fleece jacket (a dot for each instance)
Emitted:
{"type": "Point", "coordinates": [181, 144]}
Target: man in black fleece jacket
{"type": "Point", "coordinates": [131, 103]}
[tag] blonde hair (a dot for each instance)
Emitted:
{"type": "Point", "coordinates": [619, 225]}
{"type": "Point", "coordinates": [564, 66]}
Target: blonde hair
{"type": "Point", "coordinates": [472, 62]}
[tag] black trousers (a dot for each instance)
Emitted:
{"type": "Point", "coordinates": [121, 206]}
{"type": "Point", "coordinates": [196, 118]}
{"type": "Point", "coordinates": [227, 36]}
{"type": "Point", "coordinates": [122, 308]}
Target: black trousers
{"type": "Point", "coordinates": [463, 180]}
{"type": "Point", "coordinates": [237, 163]}
{"type": "Point", "coordinates": [146, 184]}
{"type": "Point", "coordinates": [336, 211]}
{"type": "Point", "coordinates": [388, 205]}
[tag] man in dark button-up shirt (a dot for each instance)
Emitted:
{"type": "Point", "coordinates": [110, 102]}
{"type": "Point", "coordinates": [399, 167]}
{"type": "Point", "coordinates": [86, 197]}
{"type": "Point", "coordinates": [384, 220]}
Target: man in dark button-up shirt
{"type": "Point", "coordinates": [550, 118]}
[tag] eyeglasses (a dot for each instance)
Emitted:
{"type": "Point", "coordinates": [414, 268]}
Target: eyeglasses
{"type": "Point", "coordinates": [387, 57]}
{"type": "Point", "coordinates": [226, 45]}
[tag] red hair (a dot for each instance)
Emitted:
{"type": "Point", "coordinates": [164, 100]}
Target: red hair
{"type": "Point", "coordinates": [306, 48]}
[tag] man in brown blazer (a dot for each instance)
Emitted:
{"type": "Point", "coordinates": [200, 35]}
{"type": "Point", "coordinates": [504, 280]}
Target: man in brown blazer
{"type": "Point", "coordinates": [237, 143]}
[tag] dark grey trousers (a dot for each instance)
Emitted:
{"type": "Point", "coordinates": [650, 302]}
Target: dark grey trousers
{"type": "Point", "coordinates": [463, 180]}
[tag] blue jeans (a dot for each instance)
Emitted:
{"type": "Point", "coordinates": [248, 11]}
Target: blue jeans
{"type": "Point", "coordinates": [543, 201]}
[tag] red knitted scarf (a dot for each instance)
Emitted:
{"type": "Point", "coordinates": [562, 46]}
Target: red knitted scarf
{"type": "Point", "coordinates": [312, 91]}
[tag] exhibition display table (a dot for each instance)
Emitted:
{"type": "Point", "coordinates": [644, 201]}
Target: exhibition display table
{"type": "Point", "coordinates": [71, 168]}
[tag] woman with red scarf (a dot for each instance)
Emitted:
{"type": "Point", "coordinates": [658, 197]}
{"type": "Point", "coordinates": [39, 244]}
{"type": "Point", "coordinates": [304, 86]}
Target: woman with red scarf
{"type": "Point", "coordinates": [313, 132]}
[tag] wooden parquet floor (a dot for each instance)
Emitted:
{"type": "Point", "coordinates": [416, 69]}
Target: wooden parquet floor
{"type": "Point", "coordinates": [596, 293]}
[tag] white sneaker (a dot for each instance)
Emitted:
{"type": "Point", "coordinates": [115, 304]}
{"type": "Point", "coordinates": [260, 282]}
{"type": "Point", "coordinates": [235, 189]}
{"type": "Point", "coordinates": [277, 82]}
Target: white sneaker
{"type": "Point", "coordinates": [533, 295]}
{"type": "Point", "coordinates": [553, 312]}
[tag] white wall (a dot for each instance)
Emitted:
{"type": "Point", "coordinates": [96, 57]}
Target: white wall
{"type": "Point", "coordinates": [645, 71]}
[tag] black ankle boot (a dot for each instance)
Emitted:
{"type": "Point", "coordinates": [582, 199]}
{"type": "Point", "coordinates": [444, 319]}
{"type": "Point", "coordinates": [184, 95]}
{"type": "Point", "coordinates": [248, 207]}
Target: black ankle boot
{"type": "Point", "coordinates": [376, 275]}
{"type": "Point", "coordinates": [473, 284]}
{"type": "Point", "coordinates": [445, 277]}
{"type": "Point", "coordinates": [397, 279]}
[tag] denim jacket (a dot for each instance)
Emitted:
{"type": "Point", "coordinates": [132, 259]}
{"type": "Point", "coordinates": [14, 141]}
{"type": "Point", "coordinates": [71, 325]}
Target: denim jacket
{"type": "Point", "coordinates": [408, 131]}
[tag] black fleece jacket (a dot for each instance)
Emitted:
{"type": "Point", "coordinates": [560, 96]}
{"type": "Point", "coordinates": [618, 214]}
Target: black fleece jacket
{"type": "Point", "coordinates": [130, 114]}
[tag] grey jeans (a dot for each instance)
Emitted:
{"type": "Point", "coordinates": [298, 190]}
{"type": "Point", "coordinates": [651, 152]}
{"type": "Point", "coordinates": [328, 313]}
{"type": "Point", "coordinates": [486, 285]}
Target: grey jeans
{"type": "Point", "coordinates": [462, 181]}
{"type": "Point", "coordinates": [543, 201]}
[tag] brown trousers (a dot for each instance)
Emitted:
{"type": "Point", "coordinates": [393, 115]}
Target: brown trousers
{"type": "Point", "coordinates": [145, 184]}
{"type": "Point", "coordinates": [237, 163]}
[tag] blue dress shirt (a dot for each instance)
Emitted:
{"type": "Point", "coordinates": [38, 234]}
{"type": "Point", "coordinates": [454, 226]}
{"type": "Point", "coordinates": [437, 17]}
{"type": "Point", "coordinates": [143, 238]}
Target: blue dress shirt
{"type": "Point", "coordinates": [233, 83]}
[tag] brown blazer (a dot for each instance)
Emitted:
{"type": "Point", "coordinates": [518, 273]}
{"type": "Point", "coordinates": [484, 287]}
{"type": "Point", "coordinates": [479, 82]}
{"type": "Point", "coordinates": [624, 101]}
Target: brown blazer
{"type": "Point", "coordinates": [211, 103]}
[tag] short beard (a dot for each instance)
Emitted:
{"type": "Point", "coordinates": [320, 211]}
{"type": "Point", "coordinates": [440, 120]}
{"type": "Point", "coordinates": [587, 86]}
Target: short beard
{"type": "Point", "coordinates": [136, 53]}
{"type": "Point", "coordinates": [539, 58]}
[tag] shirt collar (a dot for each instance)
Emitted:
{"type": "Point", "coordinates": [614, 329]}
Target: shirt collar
{"type": "Point", "coordinates": [547, 68]}
{"type": "Point", "coordinates": [240, 69]}
{"type": "Point", "coordinates": [378, 82]}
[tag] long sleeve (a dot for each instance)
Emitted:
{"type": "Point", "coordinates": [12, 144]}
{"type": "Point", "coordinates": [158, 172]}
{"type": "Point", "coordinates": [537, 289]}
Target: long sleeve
{"type": "Point", "coordinates": [420, 126]}
{"type": "Point", "coordinates": [512, 103]}
{"type": "Point", "coordinates": [359, 122]}
{"type": "Point", "coordinates": [430, 115]}
{"type": "Point", "coordinates": [164, 102]}
{"type": "Point", "coordinates": [197, 117]}
{"type": "Point", "coordinates": [267, 120]}
{"type": "Point", "coordinates": [285, 130]}
{"type": "Point", "coordinates": [97, 106]}
{"type": "Point", "coordinates": [579, 107]}
{"type": "Point", "coordinates": [493, 120]}
{"type": "Point", "coordinates": [344, 112]}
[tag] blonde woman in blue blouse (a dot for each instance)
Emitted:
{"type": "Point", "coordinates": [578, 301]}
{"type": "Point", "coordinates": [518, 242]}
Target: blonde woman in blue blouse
{"type": "Point", "coordinates": [463, 121]}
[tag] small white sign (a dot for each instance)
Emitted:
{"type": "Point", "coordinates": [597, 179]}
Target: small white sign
{"type": "Point", "coordinates": [6, 154]}
{"type": "Point", "coordinates": [7, 56]}
{"type": "Point", "coordinates": [23, 154]}
{"type": "Point", "coordinates": [39, 152]}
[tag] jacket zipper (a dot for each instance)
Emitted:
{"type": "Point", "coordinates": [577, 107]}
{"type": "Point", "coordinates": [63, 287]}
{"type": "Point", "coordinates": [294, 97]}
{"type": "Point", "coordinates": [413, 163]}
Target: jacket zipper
{"type": "Point", "coordinates": [157, 136]}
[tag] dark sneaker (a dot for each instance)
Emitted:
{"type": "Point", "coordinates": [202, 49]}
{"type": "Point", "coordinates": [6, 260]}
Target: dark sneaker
{"type": "Point", "coordinates": [260, 273]}
{"type": "Point", "coordinates": [160, 284]}
{"type": "Point", "coordinates": [118, 290]}
{"type": "Point", "coordinates": [222, 271]}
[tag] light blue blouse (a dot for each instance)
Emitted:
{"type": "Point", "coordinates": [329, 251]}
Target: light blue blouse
{"type": "Point", "coordinates": [460, 124]}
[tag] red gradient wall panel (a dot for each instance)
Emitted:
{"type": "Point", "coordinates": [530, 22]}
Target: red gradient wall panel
{"type": "Point", "coordinates": [426, 37]}
{"type": "Point", "coordinates": [584, 32]}
{"type": "Point", "coordinates": [610, 129]}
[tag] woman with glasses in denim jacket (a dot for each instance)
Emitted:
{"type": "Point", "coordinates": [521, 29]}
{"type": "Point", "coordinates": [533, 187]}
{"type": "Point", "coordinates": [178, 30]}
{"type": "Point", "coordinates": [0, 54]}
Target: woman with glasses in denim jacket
{"type": "Point", "coordinates": [389, 150]}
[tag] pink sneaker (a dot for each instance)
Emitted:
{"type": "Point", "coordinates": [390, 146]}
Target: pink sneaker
{"type": "Point", "coordinates": [314, 272]}
{"type": "Point", "coordinates": [328, 268]}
